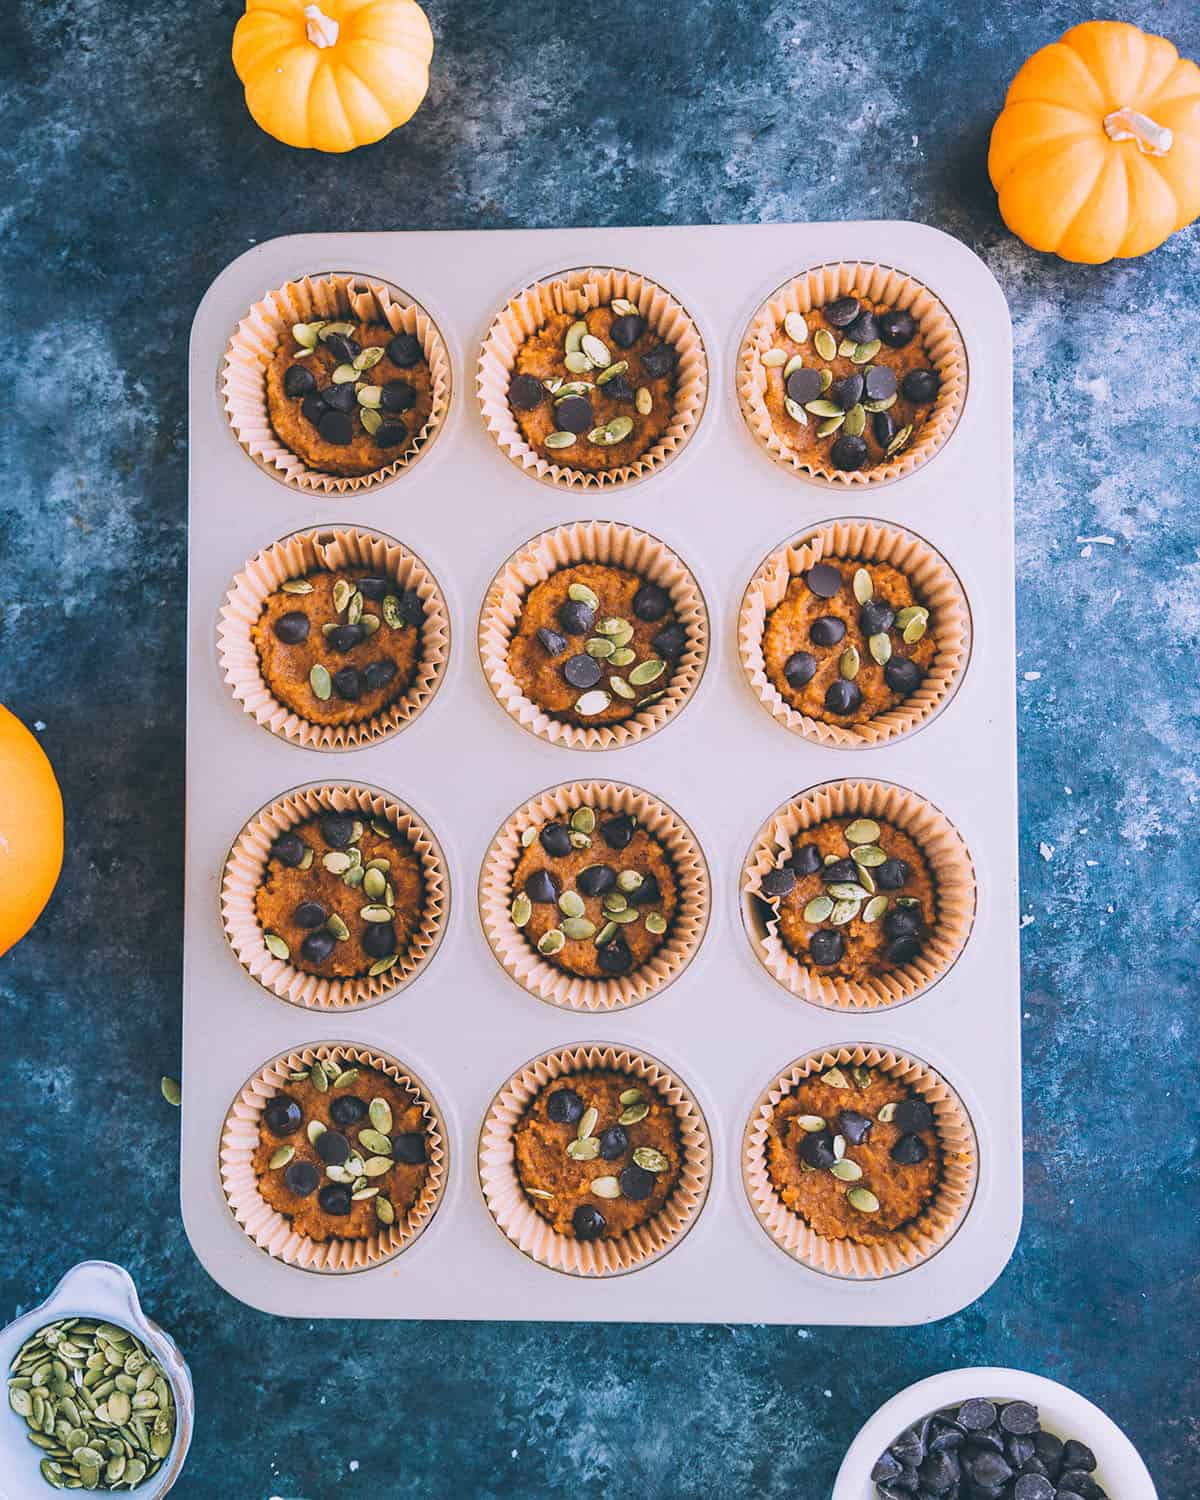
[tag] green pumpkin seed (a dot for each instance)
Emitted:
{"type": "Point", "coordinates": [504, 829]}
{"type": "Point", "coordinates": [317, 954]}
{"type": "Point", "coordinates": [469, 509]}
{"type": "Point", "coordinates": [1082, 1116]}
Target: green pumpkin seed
{"type": "Point", "coordinates": [342, 594]}
{"type": "Point", "coordinates": [558, 439]}
{"type": "Point", "coordinates": [875, 909]}
{"type": "Point", "coordinates": [864, 589]}
{"type": "Point", "coordinates": [578, 929]}
{"type": "Point", "coordinates": [382, 965]}
{"type": "Point", "coordinates": [825, 343]}
{"type": "Point", "coordinates": [861, 1076]}
{"type": "Point", "coordinates": [377, 1166]}
{"type": "Point", "coordinates": [621, 657]}
{"type": "Point", "coordinates": [374, 883]}
{"type": "Point", "coordinates": [835, 1078]}
{"type": "Point", "coordinates": [296, 586]}
{"type": "Point", "coordinates": [863, 831]}
{"type": "Point", "coordinates": [384, 1211]}
{"type": "Point", "coordinates": [647, 672]}
{"type": "Point", "coordinates": [887, 1112]}
{"type": "Point", "coordinates": [528, 835]}
{"type": "Point", "coordinates": [379, 1112]}
{"type": "Point", "coordinates": [630, 880]}
{"type": "Point", "coordinates": [864, 353]}
{"type": "Point", "coordinates": [373, 1139]}
{"type": "Point", "coordinates": [843, 912]}
{"type": "Point", "coordinates": [171, 1091]}
{"type": "Point", "coordinates": [337, 861]}
{"type": "Point", "coordinates": [20, 1401]}
{"type": "Point", "coordinates": [795, 411]}
{"type": "Point", "coordinates": [369, 623]}
{"type": "Point", "coordinates": [898, 441]}
{"type": "Point", "coordinates": [369, 397]}
{"type": "Point", "coordinates": [914, 630]}
{"type": "Point", "coordinates": [810, 1123]}
{"type": "Point", "coordinates": [818, 909]}
{"type": "Point", "coordinates": [599, 648]}
{"type": "Point", "coordinates": [583, 595]}
{"type": "Point", "coordinates": [336, 927]}
{"type": "Point", "coordinates": [320, 682]}
{"type": "Point", "coordinates": [849, 663]}
{"type": "Point", "coordinates": [827, 428]}
{"type": "Point", "coordinates": [621, 638]}
{"type": "Point", "coordinates": [318, 1077]}
{"type": "Point", "coordinates": [344, 375]}
{"type": "Point", "coordinates": [846, 348]}
{"type": "Point", "coordinates": [606, 934]}
{"type": "Point", "coordinates": [308, 333]}
{"type": "Point", "coordinates": [276, 946]}
{"type": "Point", "coordinates": [596, 350]}
{"type": "Point", "coordinates": [795, 363]}
{"type": "Point", "coordinates": [583, 820]}
{"type": "Point", "coordinates": [656, 923]}
{"type": "Point", "coordinates": [521, 910]}
{"type": "Point", "coordinates": [345, 1078]}
{"type": "Point", "coordinates": [868, 855]}
{"type": "Point", "coordinates": [577, 362]}
{"type": "Point", "coordinates": [612, 372]}
{"type": "Point", "coordinates": [375, 913]}
{"type": "Point", "coordinates": [795, 327]}
{"type": "Point", "coordinates": [329, 329]}
{"type": "Point", "coordinates": [826, 380]}
{"type": "Point", "coordinates": [612, 432]}
{"type": "Point", "coordinates": [621, 688]}
{"type": "Point", "coordinates": [911, 612]}
{"type": "Point", "coordinates": [574, 336]}
{"type": "Point", "coordinates": [846, 890]}
{"type": "Point", "coordinates": [633, 1114]}
{"type": "Point", "coordinates": [651, 1160]}
{"type": "Point", "coordinates": [615, 901]}
{"type": "Point", "coordinates": [570, 388]}
{"type": "Point", "coordinates": [822, 408]}
{"type": "Point", "coordinates": [551, 942]}
{"type": "Point", "coordinates": [570, 903]}
{"type": "Point", "coordinates": [588, 1122]}
{"type": "Point", "coordinates": [611, 626]}
{"type": "Point", "coordinates": [773, 358]}
{"type": "Point", "coordinates": [629, 1096]}
{"type": "Point", "coordinates": [643, 400]}
{"type": "Point", "coordinates": [846, 1170]}
{"type": "Point", "coordinates": [880, 647]}
{"type": "Point", "coordinates": [390, 609]}
{"type": "Point", "coordinates": [584, 1150]}
{"type": "Point", "coordinates": [863, 1199]}
{"type": "Point", "coordinates": [279, 1158]}
{"type": "Point", "coordinates": [623, 307]}
{"type": "Point", "coordinates": [604, 1187]}
{"type": "Point", "coordinates": [907, 901]}
{"type": "Point", "coordinates": [885, 405]}
{"type": "Point", "coordinates": [367, 359]}
{"type": "Point", "coordinates": [856, 420]}
{"type": "Point", "coordinates": [580, 841]}
{"type": "Point", "coordinates": [592, 703]}
{"type": "Point", "coordinates": [354, 609]}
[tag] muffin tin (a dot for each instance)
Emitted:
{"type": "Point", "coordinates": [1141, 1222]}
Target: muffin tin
{"type": "Point", "coordinates": [725, 1026]}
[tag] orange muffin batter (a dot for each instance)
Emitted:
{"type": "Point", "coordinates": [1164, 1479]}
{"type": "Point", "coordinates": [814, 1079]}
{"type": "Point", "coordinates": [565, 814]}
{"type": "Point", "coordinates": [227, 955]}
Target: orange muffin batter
{"type": "Point", "coordinates": [596, 895]}
{"type": "Point", "coordinates": [595, 644]}
{"type": "Point", "coordinates": [338, 648]}
{"type": "Point", "coordinates": [870, 383]}
{"type": "Point", "coordinates": [341, 896]}
{"type": "Point", "coordinates": [342, 1151]}
{"type": "Point", "coordinates": [849, 641]}
{"type": "Point", "coordinates": [389, 402]}
{"type": "Point", "coordinates": [863, 1117]}
{"type": "Point", "coordinates": [598, 1154]}
{"type": "Point", "coordinates": [855, 898]}
{"type": "Point", "coordinates": [596, 416]}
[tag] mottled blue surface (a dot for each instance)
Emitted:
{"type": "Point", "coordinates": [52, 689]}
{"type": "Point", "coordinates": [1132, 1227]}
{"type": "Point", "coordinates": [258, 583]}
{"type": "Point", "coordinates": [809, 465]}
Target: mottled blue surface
{"type": "Point", "coordinates": [129, 174]}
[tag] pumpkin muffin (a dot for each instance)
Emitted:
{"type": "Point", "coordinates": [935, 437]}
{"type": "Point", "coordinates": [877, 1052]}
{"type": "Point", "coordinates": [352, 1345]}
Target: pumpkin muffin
{"type": "Point", "coordinates": [595, 894]}
{"type": "Point", "coordinates": [348, 398]}
{"type": "Point", "coordinates": [849, 641]}
{"type": "Point", "coordinates": [339, 647]}
{"type": "Point", "coordinates": [854, 898]}
{"type": "Point", "coordinates": [850, 384]}
{"type": "Point", "coordinates": [597, 1155]}
{"type": "Point", "coordinates": [595, 644]}
{"type": "Point", "coordinates": [341, 1151]}
{"type": "Point", "coordinates": [594, 391]}
{"type": "Point", "coordinates": [854, 1152]}
{"type": "Point", "coordinates": [341, 896]}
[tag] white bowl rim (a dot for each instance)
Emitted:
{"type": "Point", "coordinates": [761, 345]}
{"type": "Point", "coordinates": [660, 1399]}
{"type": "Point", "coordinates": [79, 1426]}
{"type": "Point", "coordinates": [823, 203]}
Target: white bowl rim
{"type": "Point", "coordinates": [1119, 1469]}
{"type": "Point", "coordinates": [97, 1289]}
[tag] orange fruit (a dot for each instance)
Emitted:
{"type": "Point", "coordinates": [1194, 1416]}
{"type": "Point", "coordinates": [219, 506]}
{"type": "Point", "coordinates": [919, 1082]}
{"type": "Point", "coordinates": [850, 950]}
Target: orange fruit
{"type": "Point", "coordinates": [31, 829]}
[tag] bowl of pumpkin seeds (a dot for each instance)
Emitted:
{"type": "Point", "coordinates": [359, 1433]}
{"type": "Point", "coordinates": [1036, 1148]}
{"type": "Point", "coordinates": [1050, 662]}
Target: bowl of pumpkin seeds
{"type": "Point", "coordinates": [99, 1397]}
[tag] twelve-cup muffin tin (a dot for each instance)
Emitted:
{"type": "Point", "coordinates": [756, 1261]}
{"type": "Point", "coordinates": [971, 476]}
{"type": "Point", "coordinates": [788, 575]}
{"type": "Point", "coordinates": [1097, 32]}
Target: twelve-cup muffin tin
{"type": "Point", "coordinates": [725, 1027]}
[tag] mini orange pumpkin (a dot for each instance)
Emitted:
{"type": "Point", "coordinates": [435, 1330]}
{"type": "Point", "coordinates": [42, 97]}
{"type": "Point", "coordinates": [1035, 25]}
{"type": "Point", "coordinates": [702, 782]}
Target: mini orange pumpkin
{"type": "Point", "coordinates": [1097, 150]}
{"type": "Point", "coordinates": [334, 75]}
{"type": "Point", "coordinates": [31, 829]}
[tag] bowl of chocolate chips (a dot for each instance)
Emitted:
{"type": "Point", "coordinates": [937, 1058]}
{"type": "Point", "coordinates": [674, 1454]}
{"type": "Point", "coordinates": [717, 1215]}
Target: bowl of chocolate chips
{"type": "Point", "coordinates": [991, 1434]}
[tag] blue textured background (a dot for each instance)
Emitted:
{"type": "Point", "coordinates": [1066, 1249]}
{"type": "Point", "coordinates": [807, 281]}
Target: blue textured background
{"type": "Point", "coordinates": [129, 174]}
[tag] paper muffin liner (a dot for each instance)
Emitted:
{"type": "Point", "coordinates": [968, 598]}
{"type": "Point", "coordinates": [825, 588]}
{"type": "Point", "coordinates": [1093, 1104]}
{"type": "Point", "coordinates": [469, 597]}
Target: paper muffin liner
{"type": "Point", "coordinates": [593, 542]}
{"type": "Point", "coordinates": [254, 343]}
{"type": "Point", "coordinates": [824, 284]}
{"type": "Point", "coordinates": [271, 1230]}
{"type": "Point", "coordinates": [521, 960]}
{"type": "Point", "coordinates": [328, 548]}
{"type": "Point", "coordinates": [934, 582]}
{"type": "Point", "coordinates": [243, 874]}
{"type": "Point", "coordinates": [516, 1217]}
{"type": "Point", "coordinates": [576, 292]}
{"type": "Point", "coordinates": [904, 1247]}
{"type": "Point", "coordinates": [949, 864]}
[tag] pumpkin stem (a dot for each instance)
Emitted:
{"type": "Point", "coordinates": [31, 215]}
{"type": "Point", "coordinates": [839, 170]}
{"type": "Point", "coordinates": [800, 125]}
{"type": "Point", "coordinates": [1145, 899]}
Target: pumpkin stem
{"type": "Point", "coordinates": [322, 30]}
{"type": "Point", "coordinates": [1127, 124]}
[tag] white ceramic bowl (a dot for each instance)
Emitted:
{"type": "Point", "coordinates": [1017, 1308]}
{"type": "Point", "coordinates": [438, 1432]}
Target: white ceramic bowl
{"type": "Point", "coordinates": [1119, 1469]}
{"type": "Point", "coordinates": [92, 1289]}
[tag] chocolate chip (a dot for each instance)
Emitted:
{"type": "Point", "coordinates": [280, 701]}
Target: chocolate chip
{"type": "Point", "coordinates": [636, 1182]}
{"type": "Point", "coordinates": [573, 414]}
{"type": "Point", "coordinates": [903, 675]}
{"type": "Point", "coordinates": [313, 408]}
{"type": "Point", "coordinates": [841, 872]}
{"type": "Point", "coordinates": [378, 674]}
{"type": "Point", "coordinates": [884, 427]}
{"type": "Point", "coordinates": [555, 839]}
{"type": "Point", "coordinates": [842, 697]}
{"type": "Point", "coordinates": [647, 894]}
{"type": "Point", "coordinates": [863, 329]}
{"type": "Point", "coordinates": [390, 434]}
{"type": "Point", "coordinates": [588, 1222]}
{"type": "Point", "coordinates": [816, 1149]}
{"type": "Point", "coordinates": [344, 637]}
{"type": "Point", "coordinates": [340, 397]}
{"type": "Point", "coordinates": [903, 921]}
{"type": "Point", "coordinates": [309, 914]}
{"type": "Point", "coordinates": [525, 392]}
{"type": "Point", "coordinates": [976, 1414]}
{"type": "Point", "coordinates": [575, 617]}
{"type": "Point", "coordinates": [848, 392]}
{"type": "Point", "coordinates": [334, 1199]}
{"type": "Point", "coordinates": [913, 1115]}
{"type": "Point", "coordinates": [337, 428]}
{"type": "Point", "coordinates": [412, 607]}
{"type": "Point", "coordinates": [670, 641]}
{"type": "Point", "coordinates": [826, 946]}
{"type": "Point", "coordinates": [614, 1142]}
{"type": "Point", "coordinates": [799, 669]}
{"type": "Point", "coordinates": [282, 1115]}
{"type": "Point", "coordinates": [298, 381]}
{"type": "Point", "coordinates": [408, 1148]}
{"type": "Point", "coordinates": [619, 389]}
{"type": "Point", "coordinates": [543, 887]}
{"type": "Point", "coordinates": [1033, 1487]}
{"type": "Point", "coordinates": [848, 453]}
{"type": "Point", "coordinates": [658, 361]}
{"type": "Point", "coordinates": [582, 671]}
{"type": "Point", "coordinates": [372, 587]}
{"type": "Point", "coordinates": [909, 1150]}
{"type": "Point", "coordinates": [289, 849]}
{"type": "Point", "coordinates": [880, 383]}
{"type": "Point", "coordinates": [855, 1127]}
{"type": "Point", "coordinates": [343, 347]}
{"type": "Point", "coordinates": [988, 1469]}
{"type": "Point", "coordinates": [876, 616]}
{"type": "Point", "coordinates": [891, 874]}
{"type": "Point", "coordinates": [564, 1107]}
{"type": "Point", "coordinates": [301, 1178]}
{"type": "Point", "coordinates": [379, 939]}
{"type": "Point", "coordinates": [920, 386]}
{"type": "Point", "coordinates": [338, 831]}
{"type": "Point", "coordinates": [896, 328]}
{"type": "Point", "coordinates": [404, 350]}
{"type": "Point", "coordinates": [903, 950]}
{"type": "Point", "coordinates": [827, 631]}
{"type": "Point", "coordinates": [778, 882]}
{"type": "Point", "coordinates": [317, 946]}
{"type": "Point", "coordinates": [626, 329]}
{"type": "Point", "coordinates": [615, 957]}
{"type": "Point", "coordinates": [397, 395]}
{"type": "Point", "coordinates": [332, 1147]}
{"type": "Point", "coordinates": [1017, 1416]}
{"type": "Point", "coordinates": [595, 880]}
{"type": "Point", "coordinates": [292, 628]}
{"type": "Point", "coordinates": [1077, 1456]}
{"type": "Point", "coordinates": [347, 684]}
{"type": "Point", "coordinates": [553, 643]}
{"type": "Point", "coordinates": [803, 385]}
{"type": "Point", "coordinates": [618, 832]}
{"type": "Point", "coordinates": [842, 313]}
{"type": "Point", "coordinates": [651, 602]}
{"type": "Point", "coordinates": [823, 579]}
{"type": "Point", "coordinates": [806, 860]}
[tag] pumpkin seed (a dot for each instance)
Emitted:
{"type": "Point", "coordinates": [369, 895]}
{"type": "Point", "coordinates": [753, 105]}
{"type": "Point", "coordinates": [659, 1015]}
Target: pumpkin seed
{"type": "Point", "coordinates": [374, 883]}
{"type": "Point", "coordinates": [629, 1096]}
{"type": "Point", "coordinates": [914, 630]}
{"type": "Point", "coordinates": [849, 663]}
{"type": "Point", "coordinates": [570, 388]}
{"type": "Point", "coordinates": [864, 353]}
{"type": "Point", "coordinates": [632, 1114]}
{"type": "Point", "coordinates": [623, 307]}
{"type": "Point", "coordinates": [606, 934]}
{"type": "Point", "coordinates": [614, 901]}
{"type": "Point", "coordinates": [370, 624]}
{"type": "Point", "coordinates": [318, 1077]}
{"type": "Point", "coordinates": [570, 903]}
{"type": "Point", "coordinates": [599, 647]}
{"type": "Point", "coordinates": [830, 426]}
{"type": "Point", "coordinates": [369, 397]}
{"type": "Point", "coordinates": [592, 703]}
{"type": "Point", "coordinates": [651, 1160]}
{"type": "Point", "coordinates": [577, 362]}
{"type": "Point", "coordinates": [846, 1170]}
{"type": "Point", "coordinates": [621, 688]}
{"type": "Point", "coordinates": [558, 439]}
{"type": "Point", "coordinates": [898, 441]}
{"type": "Point", "coordinates": [377, 1166]}
{"type": "Point", "coordinates": [583, 820]}
{"type": "Point", "coordinates": [384, 1211]}
{"type": "Point", "coordinates": [320, 682]}
{"type": "Point", "coordinates": [612, 432]}
{"type": "Point", "coordinates": [861, 1076]}
{"type": "Point", "coordinates": [528, 835]}
{"type": "Point", "coordinates": [521, 910]}
{"type": "Point", "coordinates": [656, 923]}
{"type": "Point", "coordinates": [863, 1199]}
{"type": "Point", "coordinates": [887, 1112]}
{"type": "Point", "coordinates": [583, 595]}
{"type": "Point", "coordinates": [907, 901]}
{"type": "Point", "coordinates": [336, 861]}
{"type": "Point", "coordinates": [596, 350]}
{"type": "Point", "coordinates": [344, 375]}
{"type": "Point", "coordinates": [329, 329]}
{"type": "Point", "coordinates": [342, 593]}
{"type": "Point", "coordinates": [367, 359]}
{"type": "Point", "coordinates": [846, 348]}
{"type": "Point", "coordinates": [643, 400]}
{"type": "Point", "coordinates": [630, 880]}
{"type": "Point", "coordinates": [375, 1141]}
{"type": "Point", "coordinates": [578, 929]}
{"type": "Point", "coordinates": [390, 609]}
{"type": "Point", "coordinates": [864, 589]}
{"type": "Point", "coordinates": [856, 420]}
{"type": "Point", "coordinates": [612, 372]}
{"type": "Point", "coordinates": [846, 890]}
{"type": "Point", "coordinates": [822, 408]}
{"type": "Point", "coordinates": [580, 841]}
{"type": "Point", "coordinates": [296, 586]}
{"type": "Point", "coordinates": [279, 1158]}
{"type": "Point", "coordinates": [825, 343]}
{"type": "Point", "coordinates": [276, 946]}
{"type": "Point", "coordinates": [818, 909]}
{"type": "Point", "coordinates": [885, 405]}
{"type": "Point", "coordinates": [551, 942]}
{"type": "Point", "coordinates": [336, 927]}
{"type": "Point", "coordinates": [363, 1193]}
{"type": "Point", "coordinates": [171, 1091]}
{"type": "Point", "coordinates": [539, 1193]}
{"type": "Point", "coordinates": [375, 913]}
{"type": "Point", "coordinates": [354, 609]}
{"type": "Point", "coordinates": [843, 912]}
{"type": "Point", "coordinates": [379, 1112]}
{"type": "Point", "coordinates": [629, 914]}
{"type": "Point", "coordinates": [647, 672]}
{"type": "Point", "coordinates": [862, 831]}
{"type": "Point", "coordinates": [795, 327]}
{"type": "Point", "coordinates": [584, 1150]}
{"type": "Point", "coordinates": [835, 1078]}
{"type": "Point", "coordinates": [910, 612]}
{"type": "Point", "coordinates": [869, 855]}
{"type": "Point", "coordinates": [810, 1123]}
{"type": "Point", "coordinates": [611, 626]}
{"type": "Point", "coordinates": [621, 638]}
{"type": "Point", "coordinates": [880, 647]}
{"type": "Point", "coordinates": [382, 965]}
{"type": "Point", "coordinates": [795, 363]}
{"type": "Point", "coordinates": [773, 358]}
{"type": "Point", "coordinates": [826, 380]}
{"type": "Point", "coordinates": [795, 411]}
{"type": "Point", "coordinates": [604, 1187]}
{"type": "Point", "coordinates": [345, 1078]}
{"type": "Point", "coordinates": [574, 336]}
{"type": "Point", "coordinates": [307, 333]}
